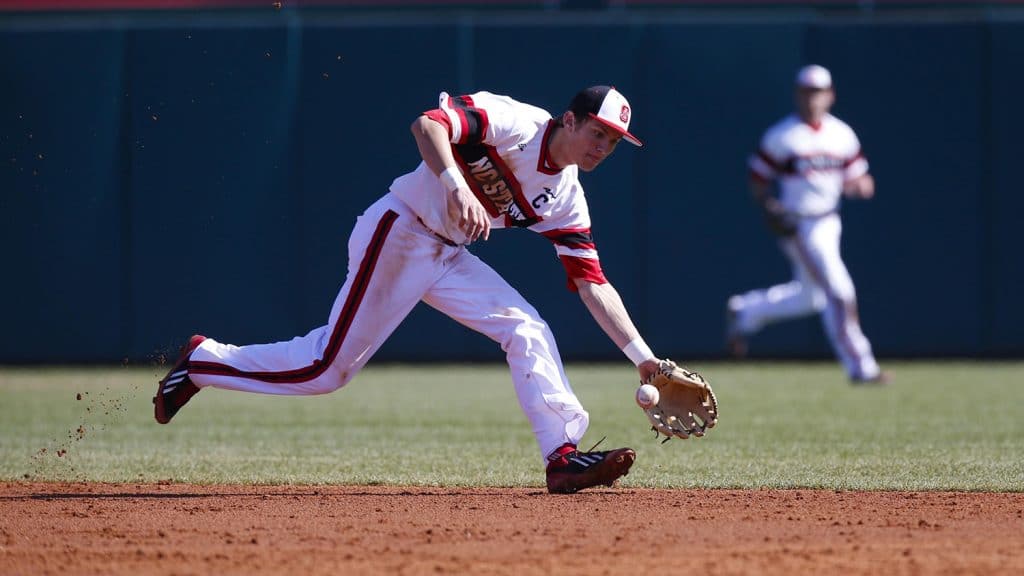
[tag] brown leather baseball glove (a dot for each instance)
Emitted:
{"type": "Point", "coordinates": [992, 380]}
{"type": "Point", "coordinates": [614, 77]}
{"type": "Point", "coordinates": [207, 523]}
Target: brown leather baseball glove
{"type": "Point", "coordinates": [777, 219]}
{"type": "Point", "coordinates": [686, 406]}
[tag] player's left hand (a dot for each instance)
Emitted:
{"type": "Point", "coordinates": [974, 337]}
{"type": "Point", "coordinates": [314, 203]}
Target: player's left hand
{"type": "Point", "coordinates": [862, 188]}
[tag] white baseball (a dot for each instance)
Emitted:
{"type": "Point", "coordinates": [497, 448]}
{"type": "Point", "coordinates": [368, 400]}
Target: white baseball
{"type": "Point", "coordinates": [647, 396]}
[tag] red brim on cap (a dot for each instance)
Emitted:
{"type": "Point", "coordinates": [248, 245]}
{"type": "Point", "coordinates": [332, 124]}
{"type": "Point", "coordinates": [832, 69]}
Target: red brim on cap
{"type": "Point", "coordinates": [618, 129]}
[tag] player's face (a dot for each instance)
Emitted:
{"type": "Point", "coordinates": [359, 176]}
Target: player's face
{"type": "Point", "coordinates": [812, 104]}
{"type": "Point", "coordinates": [592, 143]}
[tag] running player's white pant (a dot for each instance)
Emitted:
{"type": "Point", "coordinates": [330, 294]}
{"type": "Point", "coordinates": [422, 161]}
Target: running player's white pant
{"type": "Point", "coordinates": [820, 283]}
{"type": "Point", "coordinates": [394, 262]}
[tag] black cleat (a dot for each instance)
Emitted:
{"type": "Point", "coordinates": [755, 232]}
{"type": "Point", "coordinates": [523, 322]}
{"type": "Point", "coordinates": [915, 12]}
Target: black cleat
{"type": "Point", "coordinates": [880, 379]}
{"type": "Point", "coordinates": [570, 470]}
{"type": "Point", "coordinates": [735, 340]}
{"type": "Point", "coordinates": [176, 389]}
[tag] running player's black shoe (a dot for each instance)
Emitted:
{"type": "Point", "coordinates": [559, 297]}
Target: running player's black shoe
{"type": "Point", "coordinates": [880, 379]}
{"type": "Point", "coordinates": [176, 389]}
{"type": "Point", "coordinates": [570, 470]}
{"type": "Point", "coordinates": [735, 340]}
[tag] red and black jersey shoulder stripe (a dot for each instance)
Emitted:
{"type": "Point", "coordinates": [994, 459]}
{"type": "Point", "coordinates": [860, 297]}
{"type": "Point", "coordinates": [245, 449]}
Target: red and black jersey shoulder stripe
{"type": "Point", "coordinates": [474, 120]}
{"type": "Point", "coordinates": [576, 239]}
{"type": "Point", "coordinates": [775, 164]}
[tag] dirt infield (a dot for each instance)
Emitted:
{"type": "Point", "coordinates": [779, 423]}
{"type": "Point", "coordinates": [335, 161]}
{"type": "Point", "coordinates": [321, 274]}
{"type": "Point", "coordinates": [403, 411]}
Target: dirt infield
{"type": "Point", "coordinates": [184, 529]}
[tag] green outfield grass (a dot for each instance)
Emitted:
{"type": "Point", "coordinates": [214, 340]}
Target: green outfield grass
{"type": "Point", "coordinates": [939, 426]}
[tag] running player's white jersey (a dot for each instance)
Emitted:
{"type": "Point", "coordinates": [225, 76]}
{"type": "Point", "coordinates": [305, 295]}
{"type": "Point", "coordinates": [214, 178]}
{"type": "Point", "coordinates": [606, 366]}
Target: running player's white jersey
{"type": "Point", "coordinates": [810, 163]}
{"type": "Point", "coordinates": [501, 145]}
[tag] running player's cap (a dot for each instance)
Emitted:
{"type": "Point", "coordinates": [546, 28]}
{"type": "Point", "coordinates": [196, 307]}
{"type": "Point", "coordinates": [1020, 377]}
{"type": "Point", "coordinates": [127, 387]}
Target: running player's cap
{"type": "Point", "coordinates": [814, 76]}
{"type": "Point", "coordinates": [608, 106]}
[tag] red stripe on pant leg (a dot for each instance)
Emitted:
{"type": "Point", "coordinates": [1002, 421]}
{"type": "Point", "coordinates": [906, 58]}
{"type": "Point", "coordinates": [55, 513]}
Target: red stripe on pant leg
{"type": "Point", "coordinates": [838, 306]}
{"type": "Point", "coordinates": [341, 325]}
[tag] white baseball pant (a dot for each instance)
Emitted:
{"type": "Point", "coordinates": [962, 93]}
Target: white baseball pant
{"type": "Point", "coordinates": [395, 262]}
{"type": "Point", "coordinates": [821, 283]}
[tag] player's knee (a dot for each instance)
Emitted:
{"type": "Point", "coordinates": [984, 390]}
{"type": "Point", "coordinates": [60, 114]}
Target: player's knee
{"type": "Point", "coordinates": [523, 326]}
{"type": "Point", "coordinates": [336, 379]}
{"type": "Point", "coordinates": [818, 300]}
{"type": "Point", "coordinates": [847, 296]}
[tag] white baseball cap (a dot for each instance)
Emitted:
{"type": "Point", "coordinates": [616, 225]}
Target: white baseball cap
{"type": "Point", "coordinates": [608, 106]}
{"type": "Point", "coordinates": [814, 76]}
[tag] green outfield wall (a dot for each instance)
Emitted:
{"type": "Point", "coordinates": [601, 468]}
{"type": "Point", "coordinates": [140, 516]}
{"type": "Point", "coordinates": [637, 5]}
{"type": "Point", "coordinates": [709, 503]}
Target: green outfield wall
{"type": "Point", "coordinates": [164, 174]}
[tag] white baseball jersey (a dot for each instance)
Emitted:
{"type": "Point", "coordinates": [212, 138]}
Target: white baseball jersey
{"type": "Point", "coordinates": [811, 163]}
{"type": "Point", "coordinates": [501, 146]}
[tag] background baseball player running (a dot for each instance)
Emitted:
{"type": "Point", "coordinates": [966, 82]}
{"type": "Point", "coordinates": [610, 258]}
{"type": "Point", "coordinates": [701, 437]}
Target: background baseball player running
{"type": "Point", "coordinates": [488, 162]}
{"type": "Point", "coordinates": [815, 158]}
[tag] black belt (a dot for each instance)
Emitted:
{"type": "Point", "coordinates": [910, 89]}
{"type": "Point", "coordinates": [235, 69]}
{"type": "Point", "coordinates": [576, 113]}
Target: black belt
{"type": "Point", "coordinates": [443, 239]}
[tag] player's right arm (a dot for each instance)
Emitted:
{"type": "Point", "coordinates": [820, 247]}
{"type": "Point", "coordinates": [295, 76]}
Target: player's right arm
{"type": "Point", "coordinates": [765, 167]}
{"type": "Point", "coordinates": [463, 207]}
{"type": "Point", "coordinates": [759, 190]}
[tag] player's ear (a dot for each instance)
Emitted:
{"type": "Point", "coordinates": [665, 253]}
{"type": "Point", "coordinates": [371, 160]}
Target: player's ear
{"type": "Point", "coordinates": [569, 120]}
